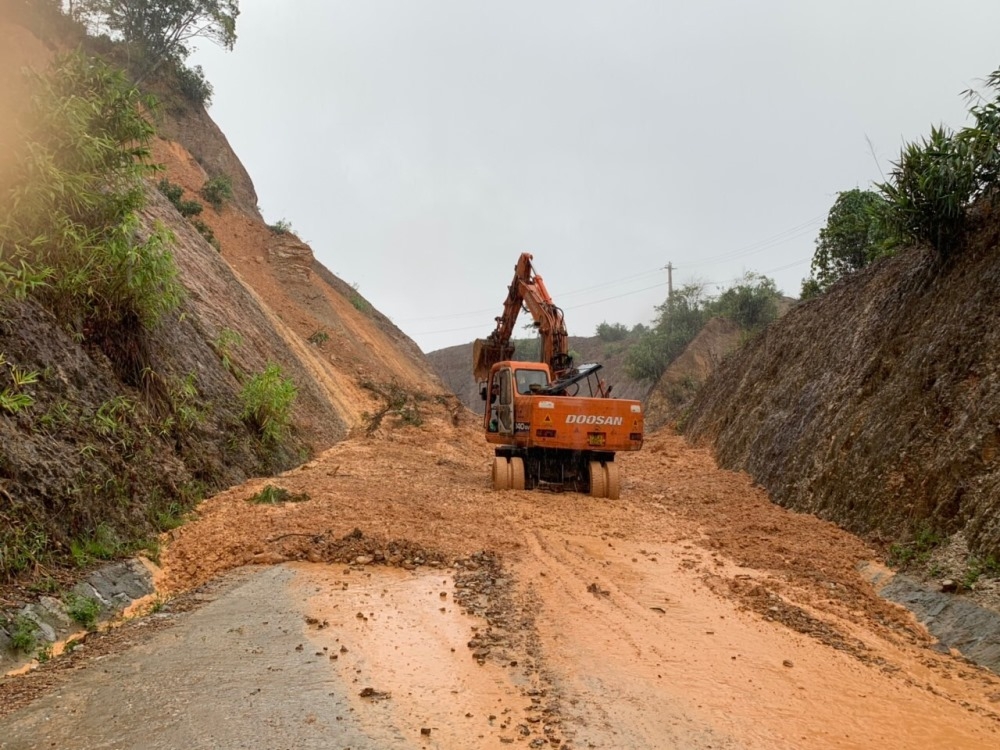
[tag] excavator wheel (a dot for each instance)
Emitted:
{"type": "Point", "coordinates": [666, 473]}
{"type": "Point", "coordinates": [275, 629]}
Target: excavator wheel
{"type": "Point", "coordinates": [501, 473]}
{"type": "Point", "coordinates": [614, 480]}
{"type": "Point", "coordinates": [517, 473]}
{"type": "Point", "coordinates": [598, 481]}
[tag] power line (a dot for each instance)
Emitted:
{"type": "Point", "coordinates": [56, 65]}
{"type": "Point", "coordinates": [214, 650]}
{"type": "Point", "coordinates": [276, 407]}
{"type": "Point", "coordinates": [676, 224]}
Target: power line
{"type": "Point", "coordinates": [762, 245]}
{"type": "Point", "coordinates": [561, 295]}
{"type": "Point", "coordinates": [786, 235]}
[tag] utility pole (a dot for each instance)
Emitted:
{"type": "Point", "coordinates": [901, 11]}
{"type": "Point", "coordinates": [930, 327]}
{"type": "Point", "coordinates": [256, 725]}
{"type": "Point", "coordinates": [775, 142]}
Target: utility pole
{"type": "Point", "coordinates": [670, 282]}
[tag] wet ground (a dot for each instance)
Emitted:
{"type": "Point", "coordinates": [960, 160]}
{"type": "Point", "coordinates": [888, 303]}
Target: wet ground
{"type": "Point", "coordinates": [692, 613]}
{"type": "Point", "coordinates": [291, 656]}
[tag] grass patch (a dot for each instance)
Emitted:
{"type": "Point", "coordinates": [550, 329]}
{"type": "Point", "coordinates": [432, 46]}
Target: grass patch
{"type": "Point", "coordinates": [272, 495]}
{"type": "Point", "coordinates": [227, 340]}
{"type": "Point", "coordinates": [917, 550]}
{"type": "Point", "coordinates": [21, 547]}
{"type": "Point", "coordinates": [977, 568]}
{"type": "Point", "coordinates": [83, 609]}
{"type": "Point", "coordinates": [267, 403]}
{"type": "Point", "coordinates": [170, 517]}
{"type": "Point", "coordinates": [102, 545]}
{"type": "Point", "coordinates": [318, 338]}
{"type": "Point", "coordinates": [23, 634]}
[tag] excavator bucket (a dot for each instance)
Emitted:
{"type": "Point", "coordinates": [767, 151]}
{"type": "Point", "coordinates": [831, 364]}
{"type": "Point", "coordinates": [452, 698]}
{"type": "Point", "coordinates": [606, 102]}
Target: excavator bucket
{"type": "Point", "coordinates": [485, 354]}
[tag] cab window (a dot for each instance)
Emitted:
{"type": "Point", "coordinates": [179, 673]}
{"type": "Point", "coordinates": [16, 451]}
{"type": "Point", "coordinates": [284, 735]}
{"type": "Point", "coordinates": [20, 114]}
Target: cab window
{"type": "Point", "coordinates": [527, 378]}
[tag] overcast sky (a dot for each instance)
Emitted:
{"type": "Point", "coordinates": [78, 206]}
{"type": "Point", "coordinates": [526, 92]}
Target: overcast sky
{"type": "Point", "coordinates": [420, 146]}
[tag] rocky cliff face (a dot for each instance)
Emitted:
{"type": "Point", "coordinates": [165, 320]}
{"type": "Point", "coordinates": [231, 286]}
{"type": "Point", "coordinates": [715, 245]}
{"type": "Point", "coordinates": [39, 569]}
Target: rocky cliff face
{"type": "Point", "coordinates": [876, 405]}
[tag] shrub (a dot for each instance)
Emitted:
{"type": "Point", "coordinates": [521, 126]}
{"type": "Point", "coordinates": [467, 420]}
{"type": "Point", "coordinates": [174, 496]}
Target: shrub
{"type": "Point", "coordinates": [609, 332]}
{"type": "Point", "coordinates": [23, 634]}
{"type": "Point", "coordinates": [267, 400]}
{"type": "Point", "coordinates": [82, 609]}
{"type": "Point", "coordinates": [217, 191]}
{"type": "Point", "coordinates": [751, 303]}
{"type": "Point", "coordinates": [194, 85]}
{"type": "Point", "coordinates": [856, 233]}
{"type": "Point", "coordinates": [679, 320]}
{"type": "Point", "coordinates": [930, 190]}
{"type": "Point", "coordinates": [175, 194]}
{"type": "Point", "coordinates": [281, 226]}
{"type": "Point", "coordinates": [68, 218]}
{"type": "Point", "coordinates": [935, 182]}
{"type": "Point", "coordinates": [170, 190]}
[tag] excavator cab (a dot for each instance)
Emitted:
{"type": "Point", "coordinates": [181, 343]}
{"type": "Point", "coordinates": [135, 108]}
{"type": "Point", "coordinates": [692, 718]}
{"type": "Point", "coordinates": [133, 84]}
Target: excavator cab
{"type": "Point", "coordinates": [507, 380]}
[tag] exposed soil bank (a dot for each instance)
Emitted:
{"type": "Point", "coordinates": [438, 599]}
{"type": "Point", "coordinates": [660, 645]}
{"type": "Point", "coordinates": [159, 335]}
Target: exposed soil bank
{"type": "Point", "coordinates": [876, 405]}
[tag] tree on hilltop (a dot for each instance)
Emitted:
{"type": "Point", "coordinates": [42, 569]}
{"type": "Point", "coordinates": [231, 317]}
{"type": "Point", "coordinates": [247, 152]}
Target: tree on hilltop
{"type": "Point", "coordinates": [159, 31]}
{"type": "Point", "coordinates": [855, 234]}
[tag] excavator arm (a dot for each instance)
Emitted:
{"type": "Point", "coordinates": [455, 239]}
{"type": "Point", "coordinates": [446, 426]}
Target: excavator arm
{"type": "Point", "coordinates": [526, 291]}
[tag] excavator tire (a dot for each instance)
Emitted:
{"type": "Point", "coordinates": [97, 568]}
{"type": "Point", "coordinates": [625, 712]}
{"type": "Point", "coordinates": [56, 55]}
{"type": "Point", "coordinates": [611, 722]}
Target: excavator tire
{"type": "Point", "coordinates": [501, 473]}
{"type": "Point", "coordinates": [517, 473]}
{"type": "Point", "coordinates": [613, 480]}
{"type": "Point", "coordinates": [598, 481]}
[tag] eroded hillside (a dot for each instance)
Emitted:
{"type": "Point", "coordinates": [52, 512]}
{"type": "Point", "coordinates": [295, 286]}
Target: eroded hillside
{"type": "Point", "coordinates": [94, 454]}
{"type": "Point", "coordinates": [877, 405]}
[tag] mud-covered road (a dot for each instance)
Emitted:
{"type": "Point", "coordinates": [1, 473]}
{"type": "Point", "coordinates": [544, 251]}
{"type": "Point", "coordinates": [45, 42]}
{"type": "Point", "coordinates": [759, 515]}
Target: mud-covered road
{"type": "Point", "coordinates": [692, 613]}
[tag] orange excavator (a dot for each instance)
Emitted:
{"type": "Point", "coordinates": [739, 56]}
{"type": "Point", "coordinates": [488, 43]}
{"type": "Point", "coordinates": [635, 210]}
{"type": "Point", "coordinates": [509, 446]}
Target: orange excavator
{"type": "Point", "coordinates": [554, 424]}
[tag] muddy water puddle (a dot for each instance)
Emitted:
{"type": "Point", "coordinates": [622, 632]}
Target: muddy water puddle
{"type": "Point", "coordinates": [648, 655]}
{"type": "Point", "coordinates": [400, 642]}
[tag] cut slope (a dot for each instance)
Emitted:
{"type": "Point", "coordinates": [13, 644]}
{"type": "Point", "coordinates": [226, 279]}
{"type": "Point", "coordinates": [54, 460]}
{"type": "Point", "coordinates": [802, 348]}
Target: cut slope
{"type": "Point", "coordinates": [337, 334]}
{"type": "Point", "coordinates": [680, 381]}
{"type": "Point", "coordinates": [878, 404]}
{"type": "Point", "coordinates": [94, 458]}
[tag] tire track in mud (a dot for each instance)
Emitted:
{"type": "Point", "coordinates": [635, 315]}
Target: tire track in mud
{"type": "Point", "coordinates": [646, 652]}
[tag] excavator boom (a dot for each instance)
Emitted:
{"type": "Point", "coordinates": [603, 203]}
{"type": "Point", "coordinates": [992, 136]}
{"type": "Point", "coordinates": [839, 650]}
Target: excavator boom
{"type": "Point", "coordinates": [527, 290]}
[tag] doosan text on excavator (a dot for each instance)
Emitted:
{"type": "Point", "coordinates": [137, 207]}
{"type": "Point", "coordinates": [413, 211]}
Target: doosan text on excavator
{"type": "Point", "coordinates": [553, 424]}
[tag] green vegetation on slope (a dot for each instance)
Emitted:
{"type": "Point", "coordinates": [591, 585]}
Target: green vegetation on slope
{"type": "Point", "coordinates": [877, 404]}
{"type": "Point", "coordinates": [69, 230]}
{"type": "Point", "coordinates": [751, 303]}
{"type": "Point", "coordinates": [927, 199]}
{"type": "Point", "coordinates": [115, 417]}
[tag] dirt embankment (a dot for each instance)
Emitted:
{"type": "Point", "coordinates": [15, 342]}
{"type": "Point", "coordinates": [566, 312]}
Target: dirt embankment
{"type": "Point", "coordinates": [680, 381]}
{"type": "Point", "coordinates": [876, 405]}
{"type": "Point", "coordinates": [99, 454]}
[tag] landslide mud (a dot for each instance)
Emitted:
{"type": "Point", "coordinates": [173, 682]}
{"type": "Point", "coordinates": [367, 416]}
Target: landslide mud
{"type": "Point", "coordinates": [399, 641]}
{"type": "Point", "coordinates": [691, 613]}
